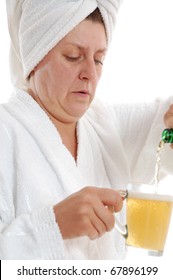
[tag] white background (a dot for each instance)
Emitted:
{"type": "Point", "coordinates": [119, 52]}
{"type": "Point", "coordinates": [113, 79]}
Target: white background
{"type": "Point", "coordinates": [139, 65]}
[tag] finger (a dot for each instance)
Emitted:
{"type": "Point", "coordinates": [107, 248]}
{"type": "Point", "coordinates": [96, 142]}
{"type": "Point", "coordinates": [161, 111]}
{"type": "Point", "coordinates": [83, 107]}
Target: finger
{"type": "Point", "coordinates": [101, 218]}
{"type": "Point", "coordinates": [105, 216]}
{"type": "Point", "coordinates": [98, 225]}
{"type": "Point", "coordinates": [93, 233]}
{"type": "Point", "coordinates": [168, 117]}
{"type": "Point", "coordinates": [111, 197]}
{"type": "Point", "coordinates": [91, 224]}
{"type": "Point", "coordinates": [123, 193]}
{"type": "Point", "coordinates": [95, 227]}
{"type": "Point", "coordinates": [111, 208]}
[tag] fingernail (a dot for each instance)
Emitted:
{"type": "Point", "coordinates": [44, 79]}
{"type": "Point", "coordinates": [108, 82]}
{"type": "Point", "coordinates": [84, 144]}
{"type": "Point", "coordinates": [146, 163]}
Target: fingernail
{"type": "Point", "coordinates": [123, 193]}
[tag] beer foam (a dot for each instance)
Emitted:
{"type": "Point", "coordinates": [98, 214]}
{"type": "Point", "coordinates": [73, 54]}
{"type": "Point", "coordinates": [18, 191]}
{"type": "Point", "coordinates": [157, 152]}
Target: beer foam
{"type": "Point", "coordinates": [150, 196]}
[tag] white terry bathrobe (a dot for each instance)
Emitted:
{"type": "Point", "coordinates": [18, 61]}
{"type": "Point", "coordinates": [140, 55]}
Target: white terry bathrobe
{"type": "Point", "coordinates": [116, 145]}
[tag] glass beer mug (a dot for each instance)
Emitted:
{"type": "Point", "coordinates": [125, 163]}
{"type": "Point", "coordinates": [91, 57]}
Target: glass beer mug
{"type": "Point", "coordinates": [148, 215]}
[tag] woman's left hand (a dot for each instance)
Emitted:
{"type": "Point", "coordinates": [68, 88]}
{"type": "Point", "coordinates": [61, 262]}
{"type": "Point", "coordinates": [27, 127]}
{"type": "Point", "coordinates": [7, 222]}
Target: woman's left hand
{"type": "Point", "coordinates": [168, 117]}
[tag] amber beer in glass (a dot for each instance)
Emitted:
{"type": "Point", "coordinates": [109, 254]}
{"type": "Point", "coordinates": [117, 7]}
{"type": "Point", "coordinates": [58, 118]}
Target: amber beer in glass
{"type": "Point", "coordinates": [148, 218]}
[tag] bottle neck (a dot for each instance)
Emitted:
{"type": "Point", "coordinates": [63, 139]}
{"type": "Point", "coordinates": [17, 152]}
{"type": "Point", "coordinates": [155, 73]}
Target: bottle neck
{"type": "Point", "coordinates": [167, 135]}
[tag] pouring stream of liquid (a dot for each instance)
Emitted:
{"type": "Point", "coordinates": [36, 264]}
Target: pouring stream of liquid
{"type": "Point", "coordinates": [158, 163]}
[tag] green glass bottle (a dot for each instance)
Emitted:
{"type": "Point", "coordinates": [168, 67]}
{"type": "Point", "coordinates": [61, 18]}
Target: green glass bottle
{"type": "Point", "coordinates": [167, 135]}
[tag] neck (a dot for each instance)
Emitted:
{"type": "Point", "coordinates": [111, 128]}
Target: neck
{"type": "Point", "coordinates": [68, 135]}
{"type": "Point", "coordinates": [64, 128]}
{"type": "Point", "coordinates": [67, 130]}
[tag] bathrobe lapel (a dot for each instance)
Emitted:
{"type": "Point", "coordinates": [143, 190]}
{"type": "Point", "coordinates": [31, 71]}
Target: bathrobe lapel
{"type": "Point", "coordinates": [38, 124]}
{"type": "Point", "coordinates": [89, 168]}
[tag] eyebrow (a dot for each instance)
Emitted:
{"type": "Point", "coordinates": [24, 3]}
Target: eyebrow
{"type": "Point", "coordinates": [102, 50]}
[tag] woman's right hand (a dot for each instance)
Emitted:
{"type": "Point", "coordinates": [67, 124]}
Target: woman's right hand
{"type": "Point", "coordinates": [86, 213]}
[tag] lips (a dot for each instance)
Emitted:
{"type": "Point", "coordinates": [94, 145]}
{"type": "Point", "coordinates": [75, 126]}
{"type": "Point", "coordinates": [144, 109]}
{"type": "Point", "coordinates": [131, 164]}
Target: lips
{"type": "Point", "coordinates": [82, 92]}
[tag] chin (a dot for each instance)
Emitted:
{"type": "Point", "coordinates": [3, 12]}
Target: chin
{"type": "Point", "coordinates": [79, 112]}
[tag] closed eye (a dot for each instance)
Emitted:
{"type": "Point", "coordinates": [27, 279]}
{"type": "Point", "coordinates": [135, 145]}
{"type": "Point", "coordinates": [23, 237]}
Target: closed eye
{"type": "Point", "coordinates": [73, 59]}
{"type": "Point", "coordinates": [77, 58]}
{"type": "Point", "coordinates": [97, 62]}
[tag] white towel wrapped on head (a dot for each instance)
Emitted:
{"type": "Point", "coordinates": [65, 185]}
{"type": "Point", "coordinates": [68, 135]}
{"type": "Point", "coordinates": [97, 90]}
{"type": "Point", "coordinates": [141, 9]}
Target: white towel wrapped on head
{"type": "Point", "coordinates": [36, 26]}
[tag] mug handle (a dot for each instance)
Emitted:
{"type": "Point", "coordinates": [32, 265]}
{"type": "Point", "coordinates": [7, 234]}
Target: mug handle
{"type": "Point", "coordinates": [122, 229]}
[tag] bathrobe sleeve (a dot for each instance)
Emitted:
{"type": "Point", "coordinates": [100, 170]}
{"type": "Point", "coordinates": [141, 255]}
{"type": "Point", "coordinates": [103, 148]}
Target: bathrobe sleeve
{"type": "Point", "coordinates": [140, 127]}
{"type": "Point", "coordinates": [33, 235]}
{"type": "Point", "coordinates": [130, 134]}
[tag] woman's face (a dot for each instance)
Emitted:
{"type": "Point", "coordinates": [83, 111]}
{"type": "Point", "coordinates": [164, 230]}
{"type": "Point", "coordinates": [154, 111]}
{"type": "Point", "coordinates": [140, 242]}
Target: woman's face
{"type": "Point", "coordinates": [65, 81]}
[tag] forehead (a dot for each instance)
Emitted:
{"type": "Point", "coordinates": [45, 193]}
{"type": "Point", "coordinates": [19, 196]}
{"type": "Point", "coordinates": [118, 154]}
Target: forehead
{"type": "Point", "coordinates": [86, 34]}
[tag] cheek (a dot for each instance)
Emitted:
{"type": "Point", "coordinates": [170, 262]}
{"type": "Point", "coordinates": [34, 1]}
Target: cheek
{"type": "Point", "coordinates": [60, 81]}
{"type": "Point", "coordinates": [99, 73]}
{"type": "Point", "coordinates": [63, 75]}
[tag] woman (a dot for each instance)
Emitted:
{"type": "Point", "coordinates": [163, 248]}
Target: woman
{"type": "Point", "coordinates": [63, 160]}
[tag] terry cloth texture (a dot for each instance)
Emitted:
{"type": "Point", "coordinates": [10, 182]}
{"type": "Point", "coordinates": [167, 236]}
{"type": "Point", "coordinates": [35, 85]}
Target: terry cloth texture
{"type": "Point", "coordinates": [116, 145]}
{"type": "Point", "coordinates": [36, 26]}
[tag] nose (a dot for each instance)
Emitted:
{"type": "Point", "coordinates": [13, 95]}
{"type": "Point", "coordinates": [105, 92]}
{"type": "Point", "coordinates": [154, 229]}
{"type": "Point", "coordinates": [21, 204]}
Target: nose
{"type": "Point", "coordinates": [88, 70]}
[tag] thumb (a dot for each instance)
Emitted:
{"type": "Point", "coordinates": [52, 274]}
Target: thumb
{"type": "Point", "coordinates": [111, 198]}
